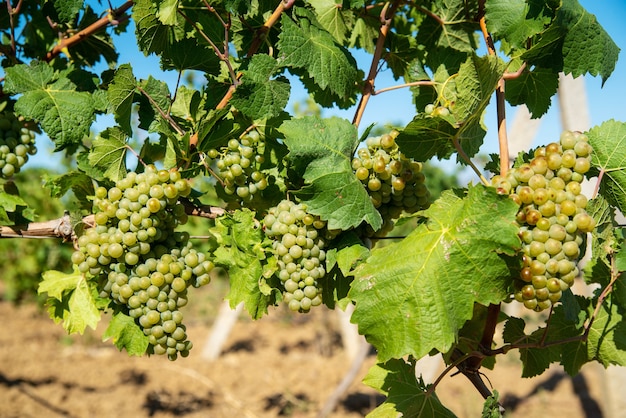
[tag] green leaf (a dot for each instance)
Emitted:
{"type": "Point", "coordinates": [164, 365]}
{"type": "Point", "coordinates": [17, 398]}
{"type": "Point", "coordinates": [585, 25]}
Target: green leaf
{"type": "Point", "coordinates": [68, 9]}
{"type": "Point", "coordinates": [454, 32]}
{"type": "Point", "coordinates": [120, 95]}
{"type": "Point", "coordinates": [609, 154]}
{"type": "Point", "coordinates": [78, 307]}
{"type": "Point", "coordinates": [534, 360]}
{"type": "Point", "coordinates": [63, 112]}
{"type": "Point", "coordinates": [55, 283]}
{"type": "Point", "coordinates": [310, 48]}
{"type": "Point", "coordinates": [406, 396]}
{"type": "Point", "coordinates": [10, 206]}
{"type": "Point", "coordinates": [333, 18]}
{"type": "Point", "coordinates": [606, 342]}
{"type": "Point", "coordinates": [413, 296]}
{"type": "Point", "coordinates": [426, 137]}
{"type": "Point", "coordinates": [186, 104]}
{"type": "Point", "coordinates": [534, 88]}
{"type": "Point", "coordinates": [587, 48]}
{"type": "Point", "coordinates": [79, 182]}
{"type": "Point", "coordinates": [475, 84]}
{"type": "Point", "coordinates": [168, 11]}
{"type": "Point", "coordinates": [517, 20]}
{"type": "Point", "coordinates": [491, 407]}
{"type": "Point", "coordinates": [126, 334]}
{"type": "Point", "coordinates": [109, 153]}
{"type": "Point", "coordinates": [321, 151]}
{"type": "Point", "coordinates": [241, 253]}
{"type": "Point", "coordinates": [260, 95]}
{"type": "Point", "coordinates": [574, 43]}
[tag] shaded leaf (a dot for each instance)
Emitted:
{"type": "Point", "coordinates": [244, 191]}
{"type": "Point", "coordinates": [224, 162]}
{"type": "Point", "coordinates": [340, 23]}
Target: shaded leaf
{"type": "Point", "coordinates": [126, 334]}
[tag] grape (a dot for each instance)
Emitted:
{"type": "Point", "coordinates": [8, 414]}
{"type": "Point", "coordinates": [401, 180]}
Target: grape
{"type": "Point", "coordinates": [552, 218]}
{"type": "Point", "coordinates": [17, 142]}
{"type": "Point", "coordinates": [139, 260]}
{"type": "Point", "coordinates": [299, 239]}
{"type": "Point", "coordinates": [239, 167]}
{"type": "Point", "coordinates": [395, 183]}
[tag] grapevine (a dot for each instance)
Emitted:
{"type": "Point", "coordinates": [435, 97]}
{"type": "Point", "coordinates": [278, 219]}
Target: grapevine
{"type": "Point", "coordinates": [293, 206]}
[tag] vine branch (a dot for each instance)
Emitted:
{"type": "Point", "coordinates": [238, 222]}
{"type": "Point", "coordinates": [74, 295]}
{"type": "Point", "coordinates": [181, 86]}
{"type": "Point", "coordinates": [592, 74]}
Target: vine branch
{"type": "Point", "coordinates": [111, 18]}
{"type": "Point", "coordinates": [63, 228]}
{"type": "Point", "coordinates": [368, 88]}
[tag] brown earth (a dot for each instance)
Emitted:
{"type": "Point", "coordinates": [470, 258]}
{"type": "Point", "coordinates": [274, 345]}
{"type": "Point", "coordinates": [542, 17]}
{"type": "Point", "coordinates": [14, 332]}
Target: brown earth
{"type": "Point", "coordinates": [282, 365]}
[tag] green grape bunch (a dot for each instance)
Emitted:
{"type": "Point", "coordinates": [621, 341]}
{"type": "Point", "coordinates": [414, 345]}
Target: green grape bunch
{"type": "Point", "coordinates": [394, 182]}
{"type": "Point", "coordinates": [553, 219]}
{"type": "Point", "coordinates": [299, 239]}
{"type": "Point", "coordinates": [239, 166]}
{"type": "Point", "coordinates": [140, 261]}
{"type": "Point", "coordinates": [17, 142]}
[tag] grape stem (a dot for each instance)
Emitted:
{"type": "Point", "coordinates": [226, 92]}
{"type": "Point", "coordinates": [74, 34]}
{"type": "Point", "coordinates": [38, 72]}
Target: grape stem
{"type": "Point", "coordinates": [401, 86]}
{"type": "Point", "coordinates": [386, 15]}
{"type": "Point", "coordinates": [466, 158]}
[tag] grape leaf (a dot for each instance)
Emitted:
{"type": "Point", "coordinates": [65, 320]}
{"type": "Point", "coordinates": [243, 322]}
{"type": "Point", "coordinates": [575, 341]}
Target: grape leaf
{"type": "Point", "coordinates": [120, 94]}
{"type": "Point", "coordinates": [475, 84]}
{"type": "Point", "coordinates": [453, 32]}
{"type": "Point", "coordinates": [587, 48]}
{"type": "Point", "coordinates": [126, 334]}
{"type": "Point", "coordinates": [606, 342]}
{"type": "Point", "coordinates": [406, 396]}
{"type": "Point", "coordinates": [260, 95]}
{"type": "Point", "coordinates": [413, 296]}
{"type": "Point", "coordinates": [71, 299]}
{"type": "Point", "coordinates": [321, 151]}
{"type": "Point", "coordinates": [308, 47]}
{"type": "Point", "coordinates": [68, 9]}
{"type": "Point", "coordinates": [241, 253]}
{"type": "Point", "coordinates": [574, 43]}
{"type": "Point", "coordinates": [603, 245]}
{"type": "Point", "coordinates": [109, 153]}
{"type": "Point", "coordinates": [333, 18]}
{"type": "Point", "coordinates": [80, 183]}
{"type": "Point", "coordinates": [64, 112]}
{"type": "Point", "coordinates": [534, 360]}
{"type": "Point", "coordinates": [10, 206]}
{"type": "Point", "coordinates": [517, 20]}
{"type": "Point", "coordinates": [186, 104]}
{"type": "Point", "coordinates": [609, 155]}
{"type": "Point", "coordinates": [534, 88]}
{"type": "Point", "coordinates": [426, 137]}
{"type": "Point", "coordinates": [168, 12]}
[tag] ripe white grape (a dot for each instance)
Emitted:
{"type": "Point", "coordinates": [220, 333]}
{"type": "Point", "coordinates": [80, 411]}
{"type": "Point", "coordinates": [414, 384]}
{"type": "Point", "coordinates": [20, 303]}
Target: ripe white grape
{"type": "Point", "coordinates": [17, 142]}
{"type": "Point", "coordinates": [552, 217]}
{"type": "Point", "coordinates": [140, 261]}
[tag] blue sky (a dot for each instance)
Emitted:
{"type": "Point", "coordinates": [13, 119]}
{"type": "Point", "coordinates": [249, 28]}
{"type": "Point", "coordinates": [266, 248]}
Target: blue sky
{"type": "Point", "coordinates": [604, 102]}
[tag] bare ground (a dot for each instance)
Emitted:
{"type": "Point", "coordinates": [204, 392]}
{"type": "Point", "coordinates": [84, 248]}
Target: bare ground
{"type": "Point", "coordinates": [282, 365]}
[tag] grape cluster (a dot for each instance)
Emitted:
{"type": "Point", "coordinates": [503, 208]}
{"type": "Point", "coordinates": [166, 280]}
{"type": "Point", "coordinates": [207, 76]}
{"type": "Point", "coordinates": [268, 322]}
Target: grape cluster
{"type": "Point", "coordinates": [432, 110]}
{"type": "Point", "coordinates": [239, 166]}
{"type": "Point", "coordinates": [552, 217]}
{"type": "Point", "coordinates": [394, 182]}
{"type": "Point", "coordinates": [17, 142]}
{"type": "Point", "coordinates": [142, 263]}
{"type": "Point", "coordinates": [299, 239]}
